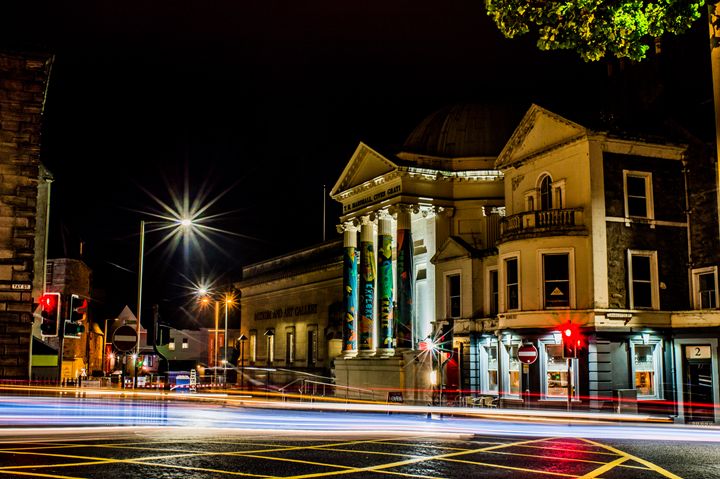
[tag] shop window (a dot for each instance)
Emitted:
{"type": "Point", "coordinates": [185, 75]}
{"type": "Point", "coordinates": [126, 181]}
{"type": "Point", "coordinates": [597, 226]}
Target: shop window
{"type": "Point", "coordinates": [512, 284]}
{"type": "Point", "coordinates": [452, 293]}
{"type": "Point", "coordinates": [556, 280]}
{"type": "Point", "coordinates": [554, 372]}
{"type": "Point", "coordinates": [647, 367]}
{"type": "Point", "coordinates": [489, 366]}
{"type": "Point", "coordinates": [705, 291]}
{"type": "Point", "coordinates": [185, 344]}
{"type": "Point", "coordinates": [512, 385]}
{"type": "Point", "coordinates": [638, 194]}
{"type": "Point", "coordinates": [643, 280]}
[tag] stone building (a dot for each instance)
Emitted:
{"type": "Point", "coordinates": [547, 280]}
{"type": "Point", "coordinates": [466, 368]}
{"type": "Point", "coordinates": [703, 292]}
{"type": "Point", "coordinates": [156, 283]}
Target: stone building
{"type": "Point", "coordinates": [24, 196]}
{"type": "Point", "coordinates": [291, 312]}
{"type": "Point", "coordinates": [490, 232]}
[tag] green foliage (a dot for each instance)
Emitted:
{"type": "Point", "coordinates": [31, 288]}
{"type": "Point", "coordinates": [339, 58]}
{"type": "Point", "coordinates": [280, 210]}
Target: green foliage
{"type": "Point", "coordinates": [595, 28]}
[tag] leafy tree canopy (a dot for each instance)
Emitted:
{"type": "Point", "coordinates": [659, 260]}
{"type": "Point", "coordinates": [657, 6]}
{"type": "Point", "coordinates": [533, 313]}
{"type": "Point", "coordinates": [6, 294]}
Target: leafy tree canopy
{"type": "Point", "coordinates": [595, 28]}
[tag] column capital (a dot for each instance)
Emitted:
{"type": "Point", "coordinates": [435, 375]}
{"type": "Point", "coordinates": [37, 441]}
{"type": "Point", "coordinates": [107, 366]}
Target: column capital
{"type": "Point", "coordinates": [349, 226]}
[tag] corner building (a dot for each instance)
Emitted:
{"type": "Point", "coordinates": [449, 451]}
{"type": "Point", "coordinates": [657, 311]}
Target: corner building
{"type": "Point", "coordinates": [514, 237]}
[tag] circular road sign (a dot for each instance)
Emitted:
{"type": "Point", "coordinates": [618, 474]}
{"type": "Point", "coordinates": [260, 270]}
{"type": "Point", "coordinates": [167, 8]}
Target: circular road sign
{"type": "Point", "coordinates": [124, 338]}
{"type": "Point", "coordinates": [527, 353]}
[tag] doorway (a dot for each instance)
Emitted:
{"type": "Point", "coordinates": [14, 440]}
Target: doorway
{"type": "Point", "coordinates": [697, 383]}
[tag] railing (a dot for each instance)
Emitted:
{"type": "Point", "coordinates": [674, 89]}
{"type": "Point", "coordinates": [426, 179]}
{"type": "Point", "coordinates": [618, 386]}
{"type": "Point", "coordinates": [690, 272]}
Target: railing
{"type": "Point", "coordinates": [536, 221]}
{"type": "Point", "coordinates": [309, 389]}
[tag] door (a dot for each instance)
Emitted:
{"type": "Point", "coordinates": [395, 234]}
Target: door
{"type": "Point", "coordinates": [698, 394]}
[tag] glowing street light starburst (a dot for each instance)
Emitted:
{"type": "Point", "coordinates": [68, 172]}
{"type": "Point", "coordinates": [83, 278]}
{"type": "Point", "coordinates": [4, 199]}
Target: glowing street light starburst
{"type": "Point", "coordinates": [187, 223]}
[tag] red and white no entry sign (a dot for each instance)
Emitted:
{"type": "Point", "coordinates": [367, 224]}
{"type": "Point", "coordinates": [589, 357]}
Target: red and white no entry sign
{"type": "Point", "coordinates": [124, 338]}
{"type": "Point", "coordinates": [527, 353]}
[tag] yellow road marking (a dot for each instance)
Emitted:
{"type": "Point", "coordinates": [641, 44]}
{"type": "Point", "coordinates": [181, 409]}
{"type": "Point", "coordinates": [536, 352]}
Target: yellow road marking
{"type": "Point", "coordinates": [604, 468]}
{"type": "Point", "coordinates": [380, 467]}
{"type": "Point", "coordinates": [560, 458]}
{"type": "Point", "coordinates": [649, 464]}
{"type": "Point", "coordinates": [546, 448]}
{"type": "Point", "coordinates": [39, 474]}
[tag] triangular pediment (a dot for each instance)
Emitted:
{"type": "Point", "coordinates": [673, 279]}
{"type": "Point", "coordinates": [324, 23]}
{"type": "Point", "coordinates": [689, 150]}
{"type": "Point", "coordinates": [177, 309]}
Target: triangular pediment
{"type": "Point", "coordinates": [364, 165]}
{"type": "Point", "coordinates": [538, 131]}
{"type": "Point", "coordinates": [451, 249]}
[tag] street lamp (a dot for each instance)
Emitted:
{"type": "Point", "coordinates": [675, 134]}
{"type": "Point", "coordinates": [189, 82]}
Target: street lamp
{"type": "Point", "coordinates": [184, 223]}
{"type": "Point", "coordinates": [228, 300]}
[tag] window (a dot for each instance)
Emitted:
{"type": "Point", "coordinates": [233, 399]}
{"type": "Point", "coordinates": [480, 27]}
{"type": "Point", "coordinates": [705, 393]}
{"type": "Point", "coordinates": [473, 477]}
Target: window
{"type": "Point", "coordinates": [270, 345]}
{"type": "Point", "coordinates": [185, 344]}
{"type": "Point", "coordinates": [289, 347]}
{"type": "Point", "coordinates": [489, 366]}
{"type": "Point", "coordinates": [556, 280]}
{"type": "Point", "coordinates": [512, 284]}
{"type": "Point", "coordinates": [643, 280]}
{"type": "Point", "coordinates": [512, 386]}
{"type": "Point", "coordinates": [253, 346]}
{"type": "Point", "coordinates": [312, 345]}
{"type": "Point", "coordinates": [530, 200]}
{"type": "Point", "coordinates": [171, 344]}
{"type": "Point", "coordinates": [646, 356]}
{"type": "Point", "coordinates": [494, 292]}
{"type": "Point", "coordinates": [453, 296]}
{"type": "Point", "coordinates": [705, 291]}
{"type": "Point", "coordinates": [638, 194]}
{"type": "Point", "coordinates": [554, 371]}
{"type": "Point", "coordinates": [546, 193]}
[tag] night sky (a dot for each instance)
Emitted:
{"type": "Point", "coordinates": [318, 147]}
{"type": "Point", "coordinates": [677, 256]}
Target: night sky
{"type": "Point", "coordinates": [266, 101]}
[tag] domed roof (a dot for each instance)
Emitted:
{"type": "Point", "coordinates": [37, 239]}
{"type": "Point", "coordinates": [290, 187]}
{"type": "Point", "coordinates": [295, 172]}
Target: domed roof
{"type": "Point", "coordinates": [464, 130]}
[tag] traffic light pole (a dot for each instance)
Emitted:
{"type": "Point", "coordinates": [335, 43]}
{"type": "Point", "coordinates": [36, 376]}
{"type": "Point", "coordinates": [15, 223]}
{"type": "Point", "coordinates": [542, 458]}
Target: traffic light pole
{"type": "Point", "coordinates": [61, 346]}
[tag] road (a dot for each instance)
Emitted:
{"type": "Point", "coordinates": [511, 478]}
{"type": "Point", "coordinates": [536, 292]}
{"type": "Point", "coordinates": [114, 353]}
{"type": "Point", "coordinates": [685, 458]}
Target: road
{"type": "Point", "coordinates": [119, 438]}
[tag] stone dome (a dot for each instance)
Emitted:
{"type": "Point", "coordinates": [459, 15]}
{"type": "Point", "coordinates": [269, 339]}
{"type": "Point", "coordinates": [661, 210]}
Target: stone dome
{"type": "Point", "coordinates": [464, 130]}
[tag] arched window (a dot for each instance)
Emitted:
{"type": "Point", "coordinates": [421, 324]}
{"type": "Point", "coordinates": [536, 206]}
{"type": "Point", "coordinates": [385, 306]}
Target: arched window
{"type": "Point", "coordinates": [546, 193]}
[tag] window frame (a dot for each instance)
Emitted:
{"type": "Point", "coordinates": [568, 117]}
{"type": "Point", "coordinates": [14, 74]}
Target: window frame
{"type": "Point", "coordinates": [448, 299]}
{"type": "Point", "coordinates": [492, 308]}
{"type": "Point", "coordinates": [555, 340]}
{"type": "Point", "coordinates": [289, 345]}
{"type": "Point", "coordinates": [649, 202]}
{"type": "Point", "coordinates": [654, 279]}
{"type": "Point", "coordinates": [657, 344]}
{"type": "Point", "coordinates": [505, 345]}
{"type": "Point", "coordinates": [545, 179]}
{"type": "Point", "coordinates": [504, 284]}
{"type": "Point", "coordinates": [570, 252]}
{"type": "Point", "coordinates": [485, 363]}
{"type": "Point", "coordinates": [253, 346]}
{"type": "Point", "coordinates": [696, 296]}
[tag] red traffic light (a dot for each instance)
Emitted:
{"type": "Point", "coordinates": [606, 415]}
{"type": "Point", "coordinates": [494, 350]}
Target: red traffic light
{"type": "Point", "coordinates": [50, 313]}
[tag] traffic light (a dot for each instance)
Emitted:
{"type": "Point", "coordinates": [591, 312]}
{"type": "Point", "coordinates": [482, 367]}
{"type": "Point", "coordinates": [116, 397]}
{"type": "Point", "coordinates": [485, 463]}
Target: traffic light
{"type": "Point", "coordinates": [571, 341]}
{"type": "Point", "coordinates": [73, 325]}
{"type": "Point", "coordinates": [50, 313]}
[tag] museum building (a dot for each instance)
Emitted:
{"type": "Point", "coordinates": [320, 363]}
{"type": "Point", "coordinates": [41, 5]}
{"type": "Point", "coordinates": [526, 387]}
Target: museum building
{"type": "Point", "coordinates": [490, 232]}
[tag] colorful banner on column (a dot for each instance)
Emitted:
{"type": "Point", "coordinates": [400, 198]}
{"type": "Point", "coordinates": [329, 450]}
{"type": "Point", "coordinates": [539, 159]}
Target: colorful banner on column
{"type": "Point", "coordinates": [385, 292]}
{"type": "Point", "coordinates": [367, 295]}
{"type": "Point", "coordinates": [350, 265]}
{"type": "Point", "coordinates": [404, 318]}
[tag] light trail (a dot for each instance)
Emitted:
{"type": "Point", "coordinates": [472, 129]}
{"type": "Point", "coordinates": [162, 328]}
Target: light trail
{"type": "Point", "coordinates": [41, 412]}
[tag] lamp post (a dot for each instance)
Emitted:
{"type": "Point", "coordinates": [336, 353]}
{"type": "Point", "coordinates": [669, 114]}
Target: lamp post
{"type": "Point", "coordinates": [242, 338]}
{"type": "Point", "coordinates": [185, 223]}
{"type": "Point", "coordinates": [227, 301]}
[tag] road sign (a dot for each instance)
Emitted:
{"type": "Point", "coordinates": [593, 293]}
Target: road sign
{"type": "Point", "coordinates": [124, 338]}
{"type": "Point", "coordinates": [527, 353]}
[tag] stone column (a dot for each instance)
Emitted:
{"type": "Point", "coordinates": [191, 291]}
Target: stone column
{"type": "Point", "coordinates": [350, 289]}
{"type": "Point", "coordinates": [405, 278]}
{"type": "Point", "coordinates": [386, 343]}
{"type": "Point", "coordinates": [367, 288]}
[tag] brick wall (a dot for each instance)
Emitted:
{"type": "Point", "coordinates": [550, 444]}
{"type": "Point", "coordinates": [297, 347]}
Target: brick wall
{"type": "Point", "coordinates": [23, 81]}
